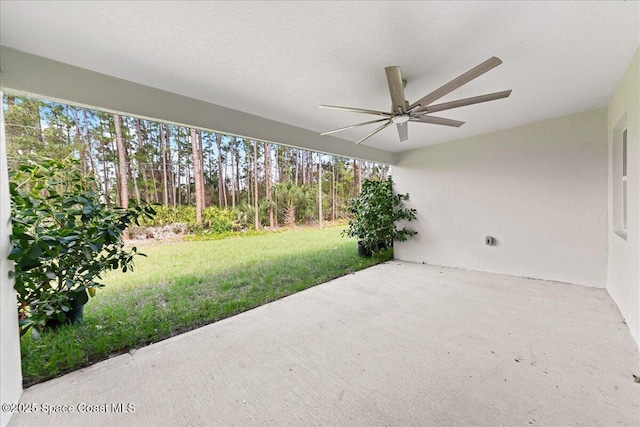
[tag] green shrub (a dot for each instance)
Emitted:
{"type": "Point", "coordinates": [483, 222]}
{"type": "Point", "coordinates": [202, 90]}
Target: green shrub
{"type": "Point", "coordinates": [214, 219]}
{"type": "Point", "coordinates": [217, 220]}
{"type": "Point", "coordinates": [374, 215]}
{"type": "Point", "coordinates": [169, 215]}
{"type": "Point", "coordinates": [64, 237]}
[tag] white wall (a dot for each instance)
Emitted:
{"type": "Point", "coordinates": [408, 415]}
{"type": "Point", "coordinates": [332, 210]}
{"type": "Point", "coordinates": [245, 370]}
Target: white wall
{"type": "Point", "coordinates": [623, 281]}
{"type": "Point", "coordinates": [539, 189]}
{"type": "Point", "coordinates": [10, 370]}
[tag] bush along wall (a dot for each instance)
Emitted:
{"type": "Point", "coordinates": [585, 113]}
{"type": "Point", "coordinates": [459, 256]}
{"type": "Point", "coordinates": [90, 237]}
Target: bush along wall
{"type": "Point", "coordinates": [374, 216]}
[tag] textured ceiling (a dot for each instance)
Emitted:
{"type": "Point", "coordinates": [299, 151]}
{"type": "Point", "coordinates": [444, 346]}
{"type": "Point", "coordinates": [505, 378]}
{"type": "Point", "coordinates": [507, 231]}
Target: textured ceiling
{"type": "Point", "coordinates": [280, 60]}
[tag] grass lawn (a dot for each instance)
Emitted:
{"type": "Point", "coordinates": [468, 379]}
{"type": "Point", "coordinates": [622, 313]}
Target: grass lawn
{"type": "Point", "coordinates": [181, 286]}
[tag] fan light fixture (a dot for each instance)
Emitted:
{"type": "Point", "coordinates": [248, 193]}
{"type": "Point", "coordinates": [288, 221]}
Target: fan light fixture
{"type": "Point", "coordinates": [401, 118]}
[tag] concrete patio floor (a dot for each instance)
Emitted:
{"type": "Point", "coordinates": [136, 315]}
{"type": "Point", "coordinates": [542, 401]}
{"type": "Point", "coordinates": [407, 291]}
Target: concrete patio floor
{"type": "Point", "coordinates": [396, 344]}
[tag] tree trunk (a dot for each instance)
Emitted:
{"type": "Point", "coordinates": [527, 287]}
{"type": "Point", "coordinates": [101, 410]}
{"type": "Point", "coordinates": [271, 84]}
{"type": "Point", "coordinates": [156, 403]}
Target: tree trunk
{"type": "Point", "coordinates": [359, 187]}
{"type": "Point", "coordinates": [267, 178]}
{"type": "Point", "coordinates": [175, 175]}
{"type": "Point", "coordinates": [85, 145]}
{"type": "Point", "coordinates": [39, 122]}
{"type": "Point", "coordinates": [297, 164]}
{"type": "Point", "coordinates": [279, 163]}
{"type": "Point", "coordinates": [210, 162]}
{"type": "Point", "coordinates": [94, 168]}
{"type": "Point", "coordinates": [105, 177]}
{"type": "Point", "coordinates": [203, 195]}
{"type": "Point", "coordinates": [222, 197]}
{"type": "Point", "coordinates": [196, 174]}
{"type": "Point", "coordinates": [122, 162]}
{"type": "Point", "coordinates": [154, 168]}
{"type": "Point", "coordinates": [189, 186]}
{"type": "Point", "coordinates": [237, 185]}
{"type": "Point", "coordinates": [303, 166]}
{"type": "Point", "coordinates": [133, 172]}
{"type": "Point", "coordinates": [85, 137]}
{"type": "Point", "coordinates": [135, 185]}
{"type": "Point", "coordinates": [256, 216]}
{"type": "Point", "coordinates": [233, 172]}
{"type": "Point", "coordinates": [179, 169]}
{"type": "Point", "coordinates": [249, 172]}
{"type": "Point", "coordinates": [142, 166]}
{"type": "Point", "coordinates": [163, 155]}
{"type": "Point", "coordinates": [170, 175]}
{"type": "Point", "coordinates": [224, 186]}
{"type": "Point", "coordinates": [276, 207]}
{"type": "Point", "coordinates": [89, 145]}
{"type": "Point", "coordinates": [334, 198]}
{"type": "Point", "coordinates": [116, 174]}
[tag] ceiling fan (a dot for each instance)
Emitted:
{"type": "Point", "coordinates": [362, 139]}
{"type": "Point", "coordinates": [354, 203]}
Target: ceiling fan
{"type": "Point", "coordinates": [403, 112]}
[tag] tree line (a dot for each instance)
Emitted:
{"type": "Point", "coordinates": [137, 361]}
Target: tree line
{"type": "Point", "coordinates": [154, 162]}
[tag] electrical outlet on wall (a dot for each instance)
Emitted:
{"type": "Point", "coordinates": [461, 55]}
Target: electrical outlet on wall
{"type": "Point", "coordinates": [489, 241]}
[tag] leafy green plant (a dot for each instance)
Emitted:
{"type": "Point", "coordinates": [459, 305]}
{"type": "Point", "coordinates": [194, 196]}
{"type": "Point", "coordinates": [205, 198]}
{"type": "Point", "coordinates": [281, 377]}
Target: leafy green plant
{"type": "Point", "coordinates": [214, 219]}
{"type": "Point", "coordinates": [64, 237]}
{"type": "Point", "coordinates": [167, 215]}
{"type": "Point", "coordinates": [374, 215]}
{"type": "Point", "coordinates": [296, 203]}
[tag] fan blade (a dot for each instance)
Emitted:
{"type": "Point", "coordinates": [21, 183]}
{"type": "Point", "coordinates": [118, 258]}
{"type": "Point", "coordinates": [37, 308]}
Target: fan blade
{"type": "Point", "coordinates": [436, 121]}
{"type": "Point", "coordinates": [457, 82]}
{"type": "Point", "coordinates": [403, 131]}
{"type": "Point", "coordinates": [356, 110]}
{"type": "Point", "coordinates": [354, 126]}
{"type": "Point", "coordinates": [396, 88]}
{"type": "Point", "coordinates": [465, 101]}
{"type": "Point", "coordinates": [374, 132]}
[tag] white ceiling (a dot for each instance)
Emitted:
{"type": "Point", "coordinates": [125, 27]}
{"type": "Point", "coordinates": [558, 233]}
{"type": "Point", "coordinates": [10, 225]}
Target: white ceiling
{"type": "Point", "coordinates": [280, 60]}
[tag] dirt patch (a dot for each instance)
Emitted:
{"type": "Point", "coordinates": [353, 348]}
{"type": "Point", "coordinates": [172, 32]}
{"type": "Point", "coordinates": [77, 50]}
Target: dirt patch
{"type": "Point", "coordinates": [155, 235]}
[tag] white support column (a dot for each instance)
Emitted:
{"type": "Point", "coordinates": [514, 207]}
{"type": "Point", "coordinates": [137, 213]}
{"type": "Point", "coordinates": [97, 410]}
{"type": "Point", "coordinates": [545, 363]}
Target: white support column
{"type": "Point", "coordinates": [10, 369]}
